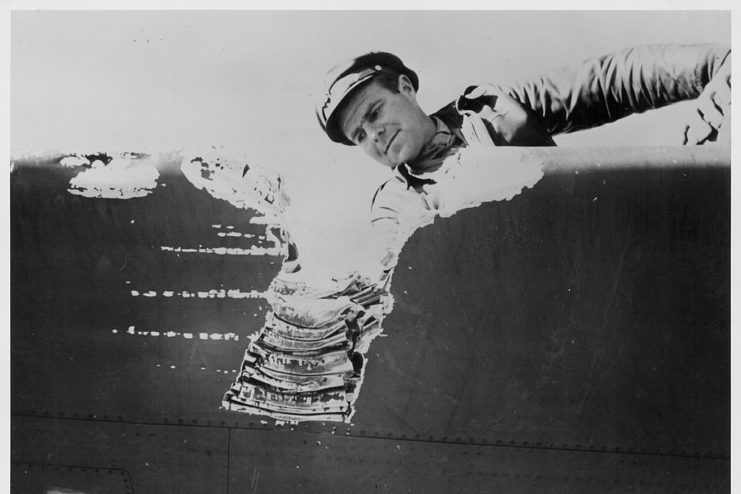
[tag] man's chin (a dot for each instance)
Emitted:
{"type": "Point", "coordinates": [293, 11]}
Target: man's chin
{"type": "Point", "coordinates": [393, 161]}
{"type": "Point", "coordinates": [405, 155]}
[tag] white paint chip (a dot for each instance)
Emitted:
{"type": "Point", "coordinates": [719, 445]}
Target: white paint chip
{"type": "Point", "coordinates": [121, 178]}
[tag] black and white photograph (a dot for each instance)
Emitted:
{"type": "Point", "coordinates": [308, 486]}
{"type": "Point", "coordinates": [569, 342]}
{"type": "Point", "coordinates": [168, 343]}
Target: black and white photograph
{"type": "Point", "coordinates": [403, 251]}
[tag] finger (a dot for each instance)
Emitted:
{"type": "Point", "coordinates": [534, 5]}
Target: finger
{"type": "Point", "coordinates": [724, 133]}
{"type": "Point", "coordinates": [721, 98]}
{"type": "Point", "coordinates": [698, 130]}
{"type": "Point", "coordinates": [709, 111]}
{"type": "Point", "coordinates": [474, 92]}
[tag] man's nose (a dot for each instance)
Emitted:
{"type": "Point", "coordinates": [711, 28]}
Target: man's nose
{"type": "Point", "coordinates": [375, 131]}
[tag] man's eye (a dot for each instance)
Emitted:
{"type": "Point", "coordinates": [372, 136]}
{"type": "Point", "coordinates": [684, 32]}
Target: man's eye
{"type": "Point", "coordinates": [360, 136]}
{"type": "Point", "coordinates": [374, 114]}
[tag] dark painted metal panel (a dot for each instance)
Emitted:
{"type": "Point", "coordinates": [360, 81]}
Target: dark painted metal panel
{"type": "Point", "coordinates": [45, 478]}
{"type": "Point", "coordinates": [75, 263]}
{"type": "Point", "coordinates": [575, 338]}
{"type": "Point", "coordinates": [277, 462]}
{"type": "Point", "coordinates": [155, 458]}
{"type": "Point", "coordinates": [592, 311]}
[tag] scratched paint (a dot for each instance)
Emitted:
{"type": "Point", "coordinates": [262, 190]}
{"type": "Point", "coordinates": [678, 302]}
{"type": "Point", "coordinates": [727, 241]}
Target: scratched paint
{"type": "Point", "coordinates": [230, 232]}
{"type": "Point", "coordinates": [307, 361]}
{"type": "Point", "coordinates": [236, 234]}
{"type": "Point", "coordinates": [188, 335]}
{"type": "Point", "coordinates": [212, 293]}
{"type": "Point", "coordinates": [123, 176]}
{"type": "Point", "coordinates": [74, 161]}
{"type": "Point", "coordinates": [244, 185]}
{"type": "Point", "coordinates": [226, 251]}
{"type": "Point", "coordinates": [482, 174]}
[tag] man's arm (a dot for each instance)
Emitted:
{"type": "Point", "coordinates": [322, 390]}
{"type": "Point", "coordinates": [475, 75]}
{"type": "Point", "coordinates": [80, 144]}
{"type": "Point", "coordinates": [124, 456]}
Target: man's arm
{"type": "Point", "coordinates": [605, 89]}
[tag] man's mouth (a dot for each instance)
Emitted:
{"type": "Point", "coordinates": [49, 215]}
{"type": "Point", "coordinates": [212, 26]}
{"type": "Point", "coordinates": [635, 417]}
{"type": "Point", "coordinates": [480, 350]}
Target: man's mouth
{"type": "Point", "coordinates": [388, 144]}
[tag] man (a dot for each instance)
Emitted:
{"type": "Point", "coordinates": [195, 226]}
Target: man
{"type": "Point", "coordinates": [371, 103]}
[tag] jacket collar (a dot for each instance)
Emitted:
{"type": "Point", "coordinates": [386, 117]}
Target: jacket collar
{"type": "Point", "coordinates": [444, 143]}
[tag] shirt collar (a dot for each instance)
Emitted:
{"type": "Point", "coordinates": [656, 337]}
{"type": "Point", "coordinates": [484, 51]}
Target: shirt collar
{"type": "Point", "coordinates": [443, 144]}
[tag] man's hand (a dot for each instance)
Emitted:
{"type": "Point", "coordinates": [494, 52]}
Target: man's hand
{"type": "Point", "coordinates": [711, 120]}
{"type": "Point", "coordinates": [505, 121]}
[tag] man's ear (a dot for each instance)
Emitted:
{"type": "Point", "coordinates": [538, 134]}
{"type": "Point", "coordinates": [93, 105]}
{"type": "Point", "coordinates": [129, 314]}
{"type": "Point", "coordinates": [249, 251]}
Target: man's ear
{"type": "Point", "coordinates": [407, 88]}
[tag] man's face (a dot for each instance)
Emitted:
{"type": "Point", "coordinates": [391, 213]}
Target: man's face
{"type": "Point", "coordinates": [390, 127]}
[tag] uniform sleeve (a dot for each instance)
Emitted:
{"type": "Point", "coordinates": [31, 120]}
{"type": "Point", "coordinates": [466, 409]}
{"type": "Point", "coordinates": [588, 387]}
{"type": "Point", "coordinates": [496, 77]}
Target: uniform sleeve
{"type": "Point", "coordinates": [605, 89]}
{"type": "Point", "coordinates": [495, 118]}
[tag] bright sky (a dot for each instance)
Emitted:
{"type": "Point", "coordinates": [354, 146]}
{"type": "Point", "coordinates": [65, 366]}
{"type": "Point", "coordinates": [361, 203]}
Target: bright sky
{"type": "Point", "coordinates": [245, 81]}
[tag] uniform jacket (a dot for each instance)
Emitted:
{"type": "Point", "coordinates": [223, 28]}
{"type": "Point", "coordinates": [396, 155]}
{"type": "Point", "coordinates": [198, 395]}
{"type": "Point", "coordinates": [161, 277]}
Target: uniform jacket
{"type": "Point", "coordinates": [529, 112]}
